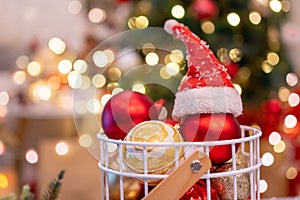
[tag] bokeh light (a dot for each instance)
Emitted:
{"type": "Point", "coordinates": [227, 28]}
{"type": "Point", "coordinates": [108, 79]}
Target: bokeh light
{"type": "Point", "coordinates": [266, 67]}
{"type": "Point", "coordinates": [98, 80]}
{"type": "Point", "coordinates": [254, 17]}
{"type": "Point", "coordinates": [22, 62]}
{"type": "Point", "coordinates": [233, 19]}
{"type": "Point", "coordinates": [74, 7]}
{"type": "Point", "coordinates": [62, 148]}
{"type": "Point", "coordinates": [163, 73]}
{"type": "Point", "coordinates": [141, 22]}
{"type": "Point", "coordinates": [294, 99]}
{"type": "Point", "coordinates": [263, 186]}
{"type": "Point", "coordinates": [57, 45]}
{"type": "Point", "coordinates": [34, 68]}
{"type": "Point", "coordinates": [274, 138]}
{"type": "Point", "coordinates": [290, 121]}
{"type": "Point", "coordinates": [100, 59]}
{"type": "Point", "coordinates": [64, 66]}
{"type": "Point", "coordinates": [105, 98]}
{"type": "Point", "coordinates": [80, 66]}
{"type": "Point", "coordinates": [283, 94]}
{"type": "Point", "coordinates": [280, 147]}
{"type": "Point", "coordinates": [291, 173]}
{"type": "Point", "coordinates": [172, 68]}
{"type": "Point", "coordinates": [235, 54]}
{"type": "Point", "coordinates": [4, 98]}
{"type": "Point", "coordinates": [208, 27]}
{"type": "Point", "coordinates": [267, 159]}
{"type": "Point", "coordinates": [19, 77]}
{"type": "Point", "coordinates": [31, 156]}
{"type": "Point", "coordinates": [139, 87]}
{"type": "Point", "coordinates": [286, 5]}
{"type": "Point", "coordinates": [275, 5]}
{"type": "Point", "coordinates": [110, 55]}
{"type": "Point", "coordinates": [178, 11]}
{"type": "Point", "coordinates": [291, 79]}
{"type": "Point", "coordinates": [152, 59]}
{"type": "Point", "coordinates": [117, 90]}
{"type": "Point", "coordinates": [75, 80]}
{"type": "Point", "coordinates": [273, 58]}
{"type": "Point", "coordinates": [85, 140]}
{"type": "Point", "coordinates": [2, 148]}
{"type": "Point", "coordinates": [147, 48]}
{"type": "Point", "coordinates": [238, 88]}
{"type": "Point", "coordinates": [97, 15]}
{"type": "Point", "coordinates": [176, 56]}
{"type": "Point", "coordinates": [44, 92]}
{"type": "Point", "coordinates": [3, 181]}
{"type": "Point", "coordinates": [131, 22]}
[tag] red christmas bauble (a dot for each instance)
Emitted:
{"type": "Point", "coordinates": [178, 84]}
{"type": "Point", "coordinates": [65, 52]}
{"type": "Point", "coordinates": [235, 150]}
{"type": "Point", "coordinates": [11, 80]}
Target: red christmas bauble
{"type": "Point", "coordinates": [204, 9]}
{"type": "Point", "coordinates": [125, 110]}
{"type": "Point", "coordinates": [212, 127]}
{"type": "Point", "coordinates": [198, 191]}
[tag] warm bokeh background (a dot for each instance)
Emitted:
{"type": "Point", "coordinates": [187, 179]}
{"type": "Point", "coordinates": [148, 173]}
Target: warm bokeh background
{"type": "Point", "coordinates": [44, 46]}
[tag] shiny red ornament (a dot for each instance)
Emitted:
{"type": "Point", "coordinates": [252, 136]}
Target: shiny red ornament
{"type": "Point", "coordinates": [199, 192]}
{"type": "Point", "coordinates": [204, 9]}
{"type": "Point", "coordinates": [212, 127]}
{"type": "Point", "coordinates": [125, 110]}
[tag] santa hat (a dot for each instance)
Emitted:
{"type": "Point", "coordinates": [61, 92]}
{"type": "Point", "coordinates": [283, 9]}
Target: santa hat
{"type": "Point", "coordinates": [207, 87]}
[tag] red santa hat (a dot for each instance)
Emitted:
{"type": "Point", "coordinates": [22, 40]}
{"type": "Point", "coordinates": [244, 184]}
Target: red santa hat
{"type": "Point", "coordinates": [207, 87]}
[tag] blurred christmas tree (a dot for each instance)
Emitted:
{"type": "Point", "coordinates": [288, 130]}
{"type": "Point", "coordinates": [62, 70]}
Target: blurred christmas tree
{"type": "Point", "coordinates": [244, 35]}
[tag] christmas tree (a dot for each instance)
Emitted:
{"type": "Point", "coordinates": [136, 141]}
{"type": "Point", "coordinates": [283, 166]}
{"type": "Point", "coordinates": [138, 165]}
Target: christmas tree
{"type": "Point", "coordinates": [244, 35]}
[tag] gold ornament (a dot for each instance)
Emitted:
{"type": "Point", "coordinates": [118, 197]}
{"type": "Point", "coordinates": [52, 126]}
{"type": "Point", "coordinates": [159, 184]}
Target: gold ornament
{"type": "Point", "coordinates": [225, 185]}
{"type": "Point", "coordinates": [242, 159]}
{"type": "Point", "coordinates": [133, 190]}
{"type": "Point", "coordinates": [160, 159]}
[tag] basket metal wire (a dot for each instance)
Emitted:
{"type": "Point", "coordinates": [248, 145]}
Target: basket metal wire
{"type": "Point", "coordinates": [111, 162]}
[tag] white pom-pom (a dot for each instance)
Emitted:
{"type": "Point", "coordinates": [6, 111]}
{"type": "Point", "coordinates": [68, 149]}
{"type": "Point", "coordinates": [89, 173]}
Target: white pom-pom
{"type": "Point", "coordinates": [169, 24]}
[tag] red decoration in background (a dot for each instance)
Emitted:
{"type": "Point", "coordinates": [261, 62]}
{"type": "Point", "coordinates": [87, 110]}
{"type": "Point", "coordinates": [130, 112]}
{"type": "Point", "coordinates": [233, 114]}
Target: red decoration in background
{"type": "Point", "coordinates": [199, 192]}
{"type": "Point", "coordinates": [204, 9]}
{"type": "Point", "coordinates": [212, 127]}
{"type": "Point", "coordinates": [270, 116]}
{"type": "Point", "coordinates": [125, 110]}
{"type": "Point", "coordinates": [232, 69]}
{"type": "Point", "coordinates": [122, 1]}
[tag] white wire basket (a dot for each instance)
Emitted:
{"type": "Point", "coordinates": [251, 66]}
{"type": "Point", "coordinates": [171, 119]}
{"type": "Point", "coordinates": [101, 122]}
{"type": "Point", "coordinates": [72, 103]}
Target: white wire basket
{"type": "Point", "coordinates": [112, 165]}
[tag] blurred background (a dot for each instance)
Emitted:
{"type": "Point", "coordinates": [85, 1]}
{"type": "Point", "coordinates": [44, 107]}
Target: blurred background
{"type": "Point", "coordinates": [43, 51]}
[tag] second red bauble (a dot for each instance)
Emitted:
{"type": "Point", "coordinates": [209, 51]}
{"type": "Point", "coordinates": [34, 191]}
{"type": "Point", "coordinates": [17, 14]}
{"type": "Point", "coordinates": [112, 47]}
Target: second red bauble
{"type": "Point", "coordinates": [212, 127]}
{"type": "Point", "coordinates": [125, 110]}
{"type": "Point", "coordinates": [199, 192]}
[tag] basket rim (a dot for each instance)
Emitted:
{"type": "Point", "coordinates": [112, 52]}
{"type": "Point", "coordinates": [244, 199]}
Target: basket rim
{"type": "Point", "coordinates": [256, 134]}
{"type": "Point", "coordinates": [235, 172]}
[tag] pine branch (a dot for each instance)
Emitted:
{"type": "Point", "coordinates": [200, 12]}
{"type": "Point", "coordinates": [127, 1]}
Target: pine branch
{"type": "Point", "coordinates": [26, 194]}
{"type": "Point", "coordinates": [53, 189]}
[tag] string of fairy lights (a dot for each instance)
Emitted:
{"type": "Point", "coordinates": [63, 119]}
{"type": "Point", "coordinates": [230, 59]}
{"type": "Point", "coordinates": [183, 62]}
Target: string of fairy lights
{"type": "Point", "coordinates": [70, 72]}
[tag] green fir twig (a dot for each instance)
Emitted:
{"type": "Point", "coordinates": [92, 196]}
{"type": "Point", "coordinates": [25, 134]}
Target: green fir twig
{"type": "Point", "coordinates": [26, 194]}
{"type": "Point", "coordinates": [53, 189]}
